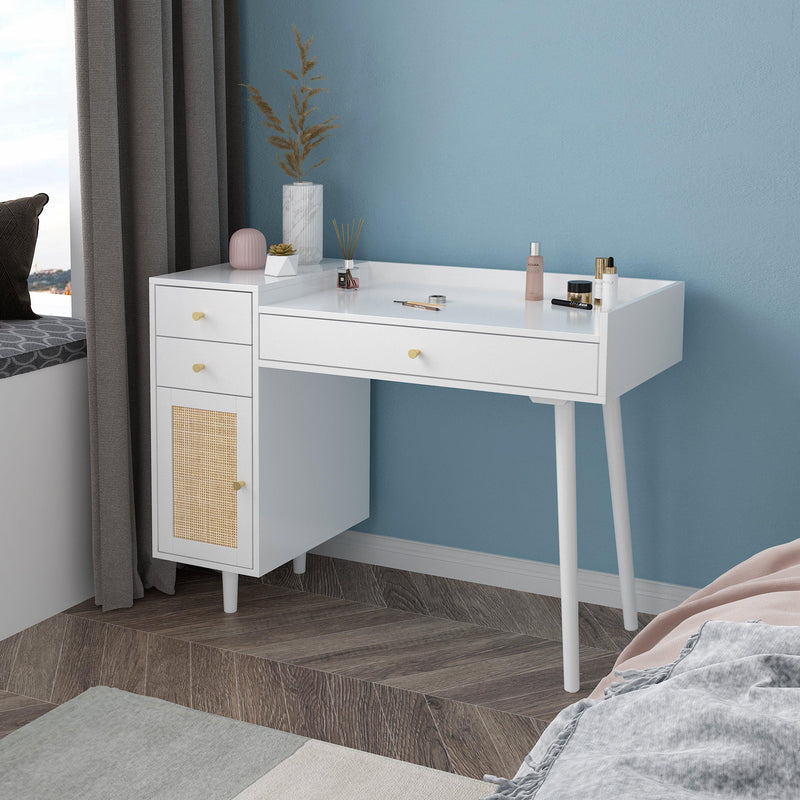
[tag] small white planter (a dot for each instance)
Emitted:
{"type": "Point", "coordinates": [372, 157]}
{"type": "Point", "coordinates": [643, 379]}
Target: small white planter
{"type": "Point", "coordinates": [281, 266]}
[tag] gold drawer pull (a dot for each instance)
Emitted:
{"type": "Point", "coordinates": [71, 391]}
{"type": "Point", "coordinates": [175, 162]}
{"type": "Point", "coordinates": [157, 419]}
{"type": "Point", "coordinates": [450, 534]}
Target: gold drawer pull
{"type": "Point", "coordinates": [238, 485]}
{"type": "Point", "coordinates": [198, 367]}
{"type": "Point", "coordinates": [413, 352]}
{"type": "Point", "coordinates": [196, 315]}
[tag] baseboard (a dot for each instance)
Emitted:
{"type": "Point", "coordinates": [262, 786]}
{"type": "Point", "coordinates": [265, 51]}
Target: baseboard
{"type": "Point", "coordinates": [602, 588]}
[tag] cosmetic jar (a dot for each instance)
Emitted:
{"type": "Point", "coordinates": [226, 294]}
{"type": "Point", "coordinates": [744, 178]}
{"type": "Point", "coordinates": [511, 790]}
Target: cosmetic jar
{"type": "Point", "coordinates": [579, 291]}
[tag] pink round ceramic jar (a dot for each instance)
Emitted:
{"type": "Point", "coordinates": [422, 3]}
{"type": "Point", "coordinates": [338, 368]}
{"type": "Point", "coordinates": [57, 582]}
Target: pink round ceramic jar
{"type": "Point", "coordinates": [248, 249]}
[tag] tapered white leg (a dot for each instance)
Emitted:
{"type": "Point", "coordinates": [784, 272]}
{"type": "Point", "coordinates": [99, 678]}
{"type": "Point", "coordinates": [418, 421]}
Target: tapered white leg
{"type": "Point", "coordinates": [230, 592]}
{"type": "Point", "coordinates": [612, 422]}
{"type": "Point", "coordinates": [299, 564]}
{"type": "Point", "coordinates": [568, 541]}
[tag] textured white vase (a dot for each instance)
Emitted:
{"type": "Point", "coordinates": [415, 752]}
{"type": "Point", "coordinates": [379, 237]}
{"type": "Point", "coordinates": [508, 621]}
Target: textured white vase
{"type": "Point", "coordinates": [302, 220]}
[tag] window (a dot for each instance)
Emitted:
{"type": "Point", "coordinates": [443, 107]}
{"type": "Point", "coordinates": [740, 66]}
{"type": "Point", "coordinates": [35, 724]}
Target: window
{"type": "Point", "coordinates": [38, 76]}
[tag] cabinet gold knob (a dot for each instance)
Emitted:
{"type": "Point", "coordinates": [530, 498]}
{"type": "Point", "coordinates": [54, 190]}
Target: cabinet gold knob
{"type": "Point", "coordinates": [198, 367]}
{"type": "Point", "coordinates": [238, 485]}
{"type": "Point", "coordinates": [196, 315]}
{"type": "Point", "coordinates": [413, 352]}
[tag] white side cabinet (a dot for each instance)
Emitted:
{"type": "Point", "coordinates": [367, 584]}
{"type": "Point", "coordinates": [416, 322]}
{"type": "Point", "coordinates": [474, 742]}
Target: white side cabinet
{"type": "Point", "coordinates": [251, 467]}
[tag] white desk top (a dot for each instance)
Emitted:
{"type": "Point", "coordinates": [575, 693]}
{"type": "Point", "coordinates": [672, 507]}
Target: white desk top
{"type": "Point", "coordinates": [486, 300]}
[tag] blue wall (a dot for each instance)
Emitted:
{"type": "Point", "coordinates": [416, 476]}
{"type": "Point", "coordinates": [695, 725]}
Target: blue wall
{"type": "Point", "coordinates": [666, 134]}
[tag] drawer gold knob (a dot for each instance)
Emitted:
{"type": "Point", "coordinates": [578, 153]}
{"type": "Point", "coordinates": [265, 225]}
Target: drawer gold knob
{"type": "Point", "coordinates": [238, 485]}
{"type": "Point", "coordinates": [413, 352]}
{"type": "Point", "coordinates": [196, 315]}
{"type": "Point", "coordinates": [198, 367]}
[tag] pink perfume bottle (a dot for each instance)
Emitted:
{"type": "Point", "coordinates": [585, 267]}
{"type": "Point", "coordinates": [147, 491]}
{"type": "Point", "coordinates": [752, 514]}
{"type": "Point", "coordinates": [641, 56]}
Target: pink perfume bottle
{"type": "Point", "coordinates": [534, 278]}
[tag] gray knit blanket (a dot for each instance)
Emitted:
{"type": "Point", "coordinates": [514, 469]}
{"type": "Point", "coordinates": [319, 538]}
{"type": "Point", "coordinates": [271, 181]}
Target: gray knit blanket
{"type": "Point", "coordinates": [722, 721]}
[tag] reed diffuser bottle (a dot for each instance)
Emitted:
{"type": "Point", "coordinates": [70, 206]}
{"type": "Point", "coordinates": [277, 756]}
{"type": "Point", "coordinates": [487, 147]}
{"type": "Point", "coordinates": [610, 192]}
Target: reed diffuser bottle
{"type": "Point", "coordinates": [534, 278]}
{"type": "Point", "coordinates": [348, 278]}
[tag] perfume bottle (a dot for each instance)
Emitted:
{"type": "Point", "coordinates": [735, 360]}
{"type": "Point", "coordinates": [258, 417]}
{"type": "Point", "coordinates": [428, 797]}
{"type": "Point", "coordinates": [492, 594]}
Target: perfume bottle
{"type": "Point", "coordinates": [534, 278]}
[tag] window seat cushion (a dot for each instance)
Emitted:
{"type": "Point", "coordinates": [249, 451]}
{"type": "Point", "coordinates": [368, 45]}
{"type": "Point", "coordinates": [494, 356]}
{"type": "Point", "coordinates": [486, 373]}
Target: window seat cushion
{"type": "Point", "coordinates": [31, 344]}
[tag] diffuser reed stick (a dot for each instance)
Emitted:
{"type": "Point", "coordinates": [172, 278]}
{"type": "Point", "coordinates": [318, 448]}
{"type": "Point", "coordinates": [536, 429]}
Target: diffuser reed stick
{"type": "Point", "coordinates": [348, 238]}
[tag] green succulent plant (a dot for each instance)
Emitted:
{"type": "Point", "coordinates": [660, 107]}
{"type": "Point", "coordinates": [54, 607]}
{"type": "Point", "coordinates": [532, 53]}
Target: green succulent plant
{"type": "Point", "coordinates": [282, 250]}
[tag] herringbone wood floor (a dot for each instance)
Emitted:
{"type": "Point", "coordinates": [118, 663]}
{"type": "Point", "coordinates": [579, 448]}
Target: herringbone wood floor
{"type": "Point", "coordinates": [452, 675]}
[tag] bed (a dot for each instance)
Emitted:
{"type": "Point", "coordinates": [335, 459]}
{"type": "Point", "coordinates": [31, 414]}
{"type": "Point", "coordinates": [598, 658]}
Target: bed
{"type": "Point", "coordinates": [703, 703]}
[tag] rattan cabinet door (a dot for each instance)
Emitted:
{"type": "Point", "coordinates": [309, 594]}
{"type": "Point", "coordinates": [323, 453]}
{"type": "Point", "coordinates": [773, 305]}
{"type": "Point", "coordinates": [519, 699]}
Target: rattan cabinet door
{"type": "Point", "coordinates": [203, 486]}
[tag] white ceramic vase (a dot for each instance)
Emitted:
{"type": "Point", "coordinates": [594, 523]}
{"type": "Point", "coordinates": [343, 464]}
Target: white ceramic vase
{"type": "Point", "coordinates": [302, 220]}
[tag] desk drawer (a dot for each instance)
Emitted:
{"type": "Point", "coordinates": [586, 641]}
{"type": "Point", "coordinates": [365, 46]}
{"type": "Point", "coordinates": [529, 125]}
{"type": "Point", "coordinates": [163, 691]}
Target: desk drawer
{"type": "Point", "coordinates": [226, 316]}
{"type": "Point", "coordinates": [225, 368]}
{"type": "Point", "coordinates": [547, 364]}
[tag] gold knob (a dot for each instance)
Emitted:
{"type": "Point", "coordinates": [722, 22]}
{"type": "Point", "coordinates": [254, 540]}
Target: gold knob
{"type": "Point", "coordinates": [198, 367]}
{"type": "Point", "coordinates": [413, 352]}
{"type": "Point", "coordinates": [238, 485]}
{"type": "Point", "coordinates": [196, 315]}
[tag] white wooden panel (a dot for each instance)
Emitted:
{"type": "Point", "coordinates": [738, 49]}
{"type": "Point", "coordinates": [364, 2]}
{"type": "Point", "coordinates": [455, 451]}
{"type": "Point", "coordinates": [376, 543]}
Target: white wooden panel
{"type": "Point", "coordinates": [546, 364]}
{"type": "Point", "coordinates": [314, 464]}
{"type": "Point", "coordinates": [227, 315]}
{"type": "Point", "coordinates": [45, 494]}
{"type": "Point", "coordinates": [643, 338]}
{"type": "Point", "coordinates": [227, 368]}
{"type": "Point", "coordinates": [165, 544]}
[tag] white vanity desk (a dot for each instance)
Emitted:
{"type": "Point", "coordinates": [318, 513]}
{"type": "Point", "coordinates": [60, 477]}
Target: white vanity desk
{"type": "Point", "coordinates": [268, 379]}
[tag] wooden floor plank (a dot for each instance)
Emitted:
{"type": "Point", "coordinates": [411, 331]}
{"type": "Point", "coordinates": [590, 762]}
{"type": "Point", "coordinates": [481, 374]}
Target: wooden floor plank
{"type": "Point", "coordinates": [415, 735]}
{"type": "Point", "coordinates": [8, 654]}
{"type": "Point", "coordinates": [466, 739]}
{"type": "Point", "coordinates": [125, 659]}
{"type": "Point", "coordinates": [80, 663]}
{"type": "Point", "coordinates": [399, 590]}
{"type": "Point", "coordinates": [492, 664]}
{"type": "Point", "coordinates": [260, 691]}
{"type": "Point", "coordinates": [534, 683]}
{"type": "Point", "coordinates": [358, 582]}
{"type": "Point", "coordinates": [168, 670]}
{"type": "Point", "coordinates": [464, 601]}
{"type": "Point", "coordinates": [539, 694]}
{"type": "Point", "coordinates": [37, 659]}
{"type": "Point", "coordinates": [465, 650]}
{"type": "Point", "coordinates": [281, 642]}
{"type": "Point", "coordinates": [213, 680]}
{"type": "Point", "coordinates": [332, 652]}
{"type": "Point", "coordinates": [254, 615]}
{"type": "Point", "coordinates": [357, 719]}
{"type": "Point", "coordinates": [513, 737]}
{"type": "Point", "coordinates": [16, 711]}
{"type": "Point", "coordinates": [320, 576]}
{"type": "Point", "coordinates": [307, 697]}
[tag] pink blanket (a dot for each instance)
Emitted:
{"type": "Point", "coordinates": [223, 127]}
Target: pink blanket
{"type": "Point", "coordinates": [766, 587]}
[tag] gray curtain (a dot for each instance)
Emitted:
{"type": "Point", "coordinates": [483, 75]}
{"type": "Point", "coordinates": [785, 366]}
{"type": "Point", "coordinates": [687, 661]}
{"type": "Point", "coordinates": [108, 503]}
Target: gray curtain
{"type": "Point", "coordinates": [159, 116]}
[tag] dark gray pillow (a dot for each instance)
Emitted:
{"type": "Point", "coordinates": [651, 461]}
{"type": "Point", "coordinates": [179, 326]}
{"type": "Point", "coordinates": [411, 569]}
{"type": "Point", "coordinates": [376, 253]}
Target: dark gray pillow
{"type": "Point", "coordinates": [19, 228]}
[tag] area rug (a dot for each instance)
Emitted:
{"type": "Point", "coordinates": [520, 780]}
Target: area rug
{"type": "Point", "coordinates": [107, 744]}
